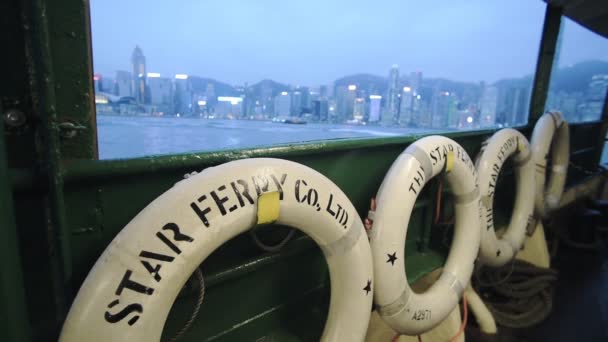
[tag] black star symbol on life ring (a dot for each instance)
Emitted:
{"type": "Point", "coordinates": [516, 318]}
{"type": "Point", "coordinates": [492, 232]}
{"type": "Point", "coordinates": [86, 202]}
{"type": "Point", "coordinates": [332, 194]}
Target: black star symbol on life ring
{"type": "Point", "coordinates": [368, 287]}
{"type": "Point", "coordinates": [392, 258]}
{"type": "Point", "coordinates": [498, 252]}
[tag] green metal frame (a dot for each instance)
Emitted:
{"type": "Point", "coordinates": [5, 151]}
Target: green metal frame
{"type": "Point", "coordinates": [44, 85]}
{"type": "Point", "coordinates": [51, 167]}
{"type": "Point", "coordinates": [544, 64]}
{"type": "Point", "coordinates": [13, 312]}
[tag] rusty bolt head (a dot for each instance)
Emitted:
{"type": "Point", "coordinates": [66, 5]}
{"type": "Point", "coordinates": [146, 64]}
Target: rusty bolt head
{"type": "Point", "coordinates": [14, 118]}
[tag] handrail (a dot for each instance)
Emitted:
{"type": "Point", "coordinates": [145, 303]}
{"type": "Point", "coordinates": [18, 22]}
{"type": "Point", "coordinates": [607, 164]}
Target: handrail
{"type": "Point", "coordinates": [78, 170]}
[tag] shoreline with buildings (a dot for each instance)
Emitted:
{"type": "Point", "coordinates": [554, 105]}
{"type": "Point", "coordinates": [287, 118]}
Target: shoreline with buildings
{"type": "Point", "coordinates": [399, 100]}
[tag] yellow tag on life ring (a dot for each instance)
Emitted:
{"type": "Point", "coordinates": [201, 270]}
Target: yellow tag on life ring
{"type": "Point", "coordinates": [268, 207]}
{"type": "Point", "coordinates": [449, 161]}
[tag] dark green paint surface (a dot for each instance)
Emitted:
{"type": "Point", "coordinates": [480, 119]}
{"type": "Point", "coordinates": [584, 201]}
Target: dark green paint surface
{"type": "Point", "coordinates": [13, 314]}
{"type": "Point", "coordinates": [69, 206]}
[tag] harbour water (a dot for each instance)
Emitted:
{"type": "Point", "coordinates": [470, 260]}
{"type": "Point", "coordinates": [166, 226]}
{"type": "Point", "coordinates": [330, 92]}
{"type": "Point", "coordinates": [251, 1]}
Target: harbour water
{"type": "Point", "coordinates": [130, 136]}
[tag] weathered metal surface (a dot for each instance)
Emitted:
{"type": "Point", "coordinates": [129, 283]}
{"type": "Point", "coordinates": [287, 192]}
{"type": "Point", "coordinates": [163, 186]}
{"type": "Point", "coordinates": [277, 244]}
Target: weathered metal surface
{"type": "Point", "coordinates": [49, 152]}
{"type": "Point", "coordinates": [544, 63]}
{"type": "Point", "coordinates": [70, 58]}
{"type": "Point", "coordinates": [15, 92]}
{"type": "Point", "coordinates": [13, 311]}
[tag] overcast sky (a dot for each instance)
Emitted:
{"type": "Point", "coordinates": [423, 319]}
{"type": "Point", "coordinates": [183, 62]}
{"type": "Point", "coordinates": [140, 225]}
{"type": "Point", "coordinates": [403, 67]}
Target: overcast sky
{"type": "Point", "coordinates": [314, 42]}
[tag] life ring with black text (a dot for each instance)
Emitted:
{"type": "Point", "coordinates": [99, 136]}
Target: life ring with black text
{"type": "Point", "coordinates": [402, 309]}
{"type": "Point", "coordinates": [502, 145]}
{"type": "Point", "coordinates": [551, 134]}
{"type": "Point", "coordinates": [131, 288]}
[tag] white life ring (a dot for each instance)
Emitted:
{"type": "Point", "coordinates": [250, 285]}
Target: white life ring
{"type": "Point", "coordinates": [402, 309]}
{"type": "Point", "coordinates": [502, 145]}
{"type": "Point", "coordinates": [551, 132]}
{"type": "Point", "coordinates": [128, 293]}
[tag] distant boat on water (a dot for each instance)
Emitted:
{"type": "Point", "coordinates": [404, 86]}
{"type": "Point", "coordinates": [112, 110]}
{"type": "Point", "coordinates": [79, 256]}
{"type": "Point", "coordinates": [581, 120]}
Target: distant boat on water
{"type": "Point", "coordinates": [294, 120]}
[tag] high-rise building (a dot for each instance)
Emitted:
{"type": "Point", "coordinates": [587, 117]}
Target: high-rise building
{"type": "Point", "coordinates": [596, 94]}
{"type": "Point", "coordinates": [138, 68]}
{"type": "Point", "coordinates": [359, 109]}
{"type": "Point", "coordinates": [259, 110]}
{"type": "Point", "coordinates": [223, 109]}
{"type": "Point", "coordinates": [229, 107]}
{"type": "Point", "coordinates": [249, 102]}
{"type": "Point", "coordinates": [422, 110]}
{"type": "Point", "coordinates": [345, 101]}
{"type": "Point", "coordinates": [104, 84]}
{"type": "Point", "coordinates": [314, 96]}
{"type": "Point", "coordinates": [340, 109]}
{"type": "Point", "coordinates": [418, 119]}
{"type": "Point", "coordinates": [597, 87]}
{"type": "Point", "coordinates": [449, 107]}
{"type": "Point", "coordinates": [296, 102]}
{"type": "Point", "coordinates": [375, 103]}
{"type": "Point", "coordinates": [513, 105]}
{"type": "Point", "coordinates": [123, 83]}
{"type": "Point", "coordinates": [210, 96]}
{"type": "Point", "coordinates": [320, 109]}
{"type": "Point", "coordinates": [306, 99]}
{"type": "Point", "coordinates": [488, 106]}
{"type": "Point", "coordinates": [282, 104]}
{"type": "Point", "coordinates": [323, 91]}
{"type": "Point", "coordinates": [98, 83]}
{"type": "Point", "coordinates": [332, 114]}
{"type": "Point", "coordinates": [182, 95]}
{"type": "Point", "coordinates": [406, 114]}
{"type": "Point", "coordinates": [267, 99]}
{"type": "Point", "coordinates": [300, 101]}
{"type": "Point", "coordinates": [444, 110]}
{"type": "Point", "coordinates": [109, 86]}
{"type": "Point", "coordinates": [161, 91]}
{"type": "Point", "coordinates": [392, 100]}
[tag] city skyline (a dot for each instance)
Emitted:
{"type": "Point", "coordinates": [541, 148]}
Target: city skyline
{"type": "Point", "coordinates": [137, 54]}
{"type": "Point", "coordinates": [316, 43]}
{"type": "Point", "coordinates": [406, 100]}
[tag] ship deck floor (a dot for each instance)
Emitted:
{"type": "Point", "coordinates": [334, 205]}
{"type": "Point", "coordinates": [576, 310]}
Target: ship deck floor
{"type": "Point", "coordinates": [580, 304]}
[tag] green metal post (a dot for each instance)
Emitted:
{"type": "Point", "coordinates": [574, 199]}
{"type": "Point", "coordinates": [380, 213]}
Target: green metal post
{"type": "Point", "coordinates": [13, 313]}
{"type": "Point", "coordinates": [70, 58]}
{"type": "Point", "coordinates": [49, 150]}
{"type": "Point", "coordinates": [544, 63]}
